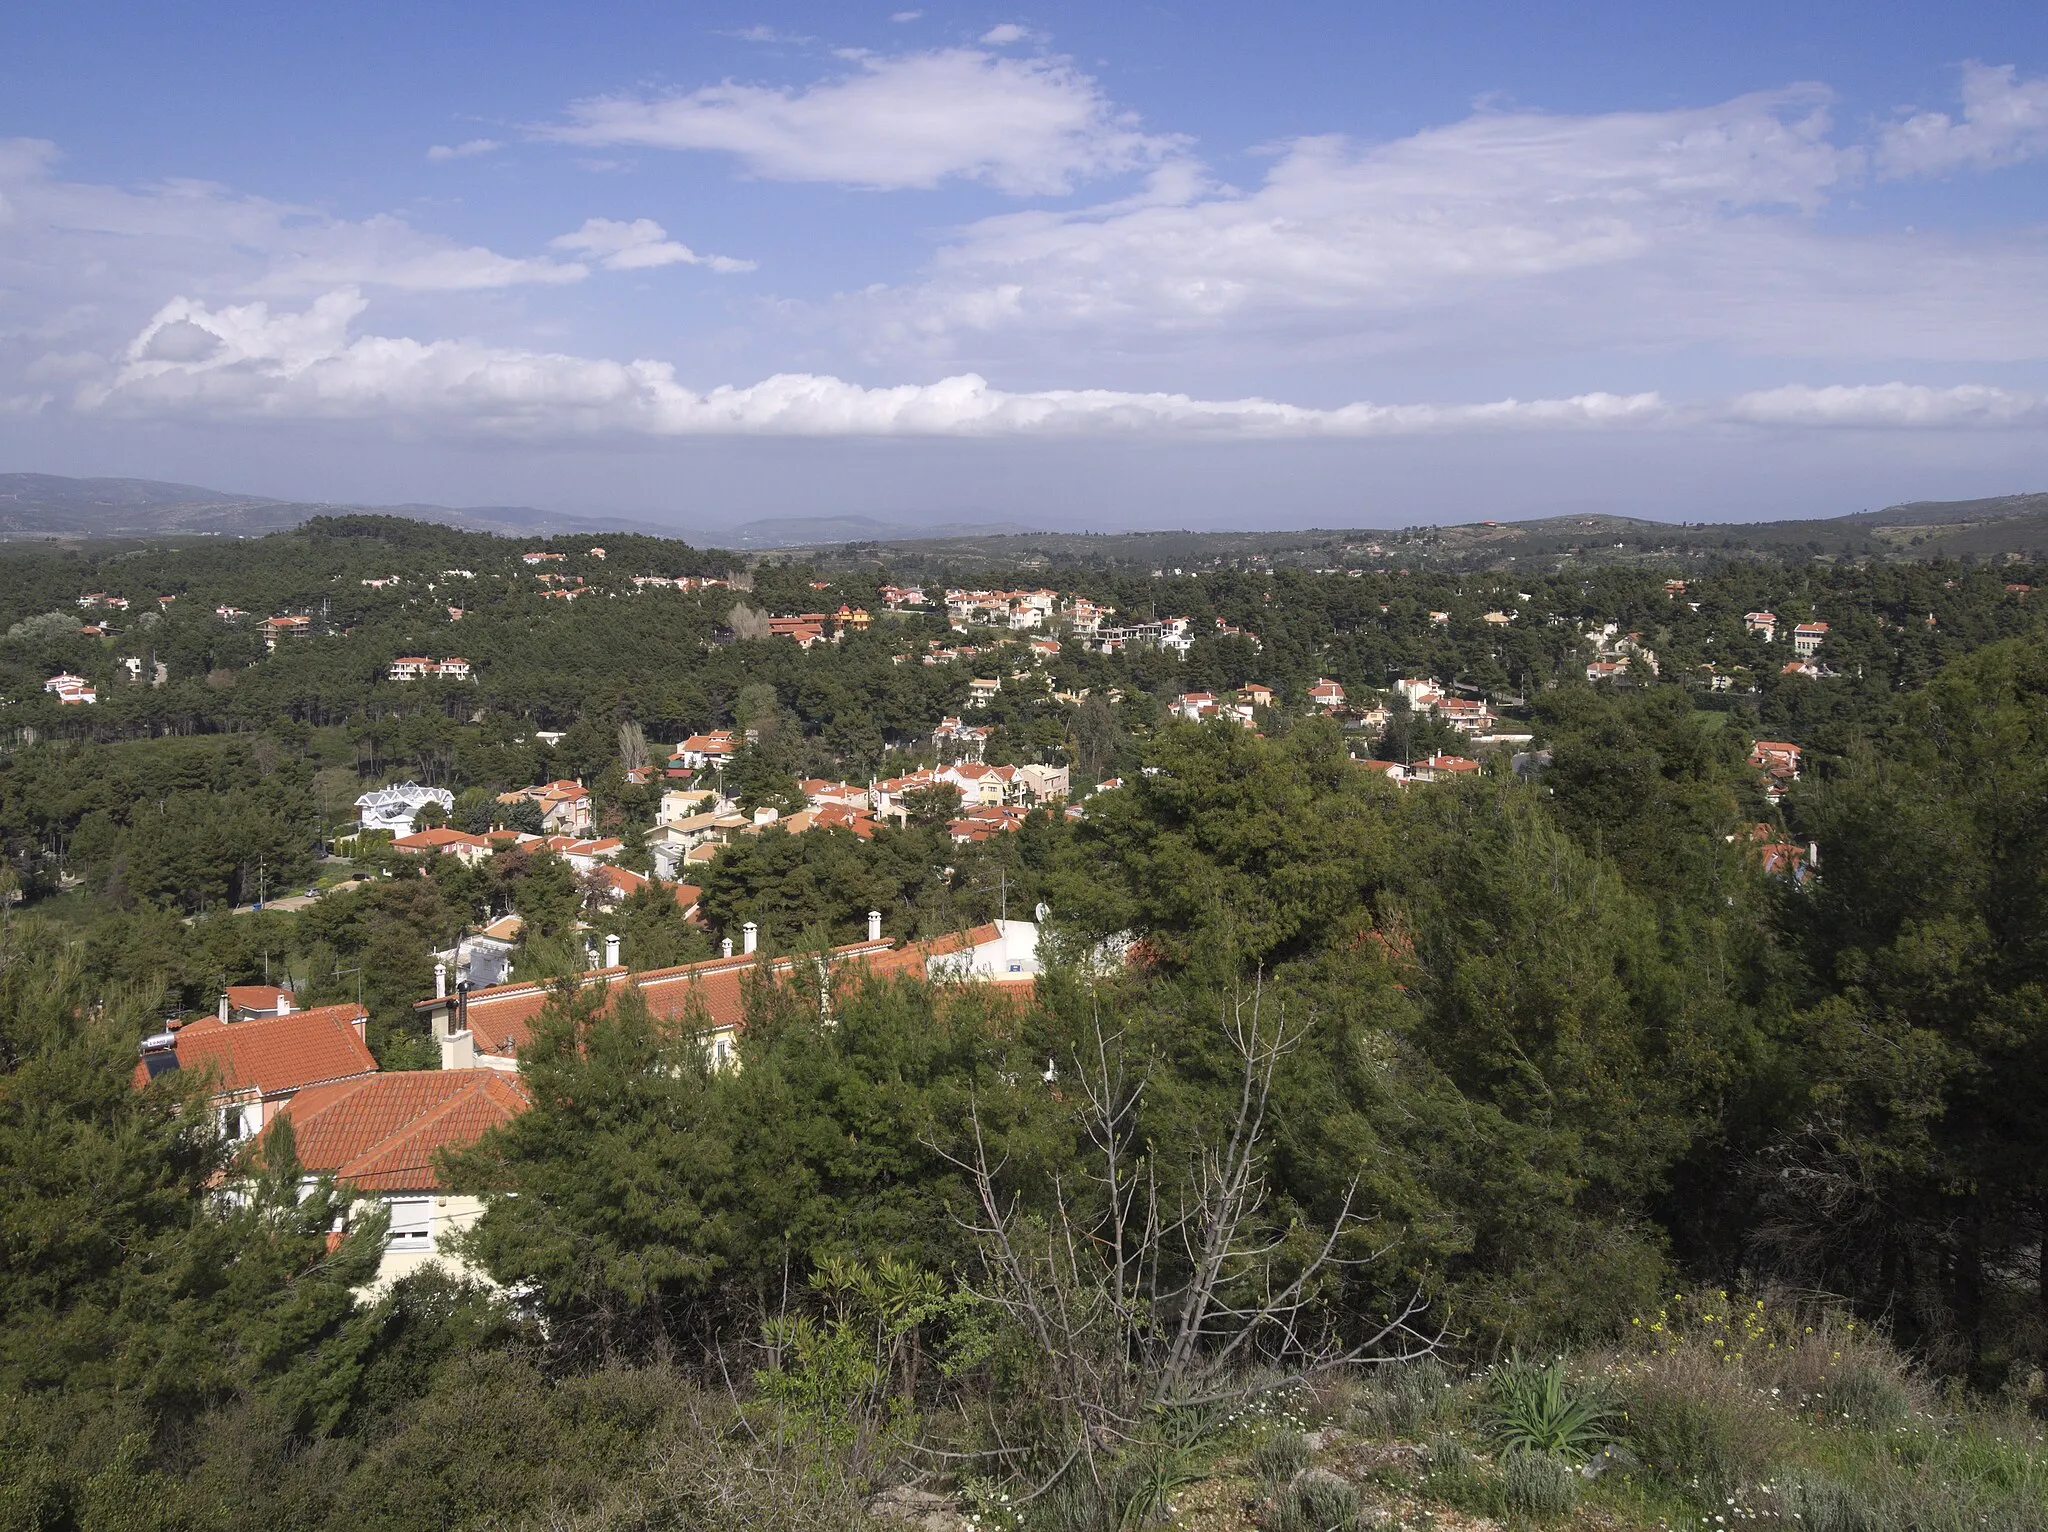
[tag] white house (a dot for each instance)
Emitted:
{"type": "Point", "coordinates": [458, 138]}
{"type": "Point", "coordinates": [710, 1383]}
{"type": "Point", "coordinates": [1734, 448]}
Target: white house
{"type": "Point", "coordinates": [1001, 950]}
{"type": "Point", "coordinates": [712, 749]}
{"type": "Point", "coordinates": [954, 741]}
{"type": "Point", "coordinates": [394, 808]}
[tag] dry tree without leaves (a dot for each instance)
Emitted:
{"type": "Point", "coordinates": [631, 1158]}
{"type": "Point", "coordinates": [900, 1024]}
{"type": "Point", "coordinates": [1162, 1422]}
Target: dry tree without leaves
{"type": "Point", "coordinates": [1141, 1298]}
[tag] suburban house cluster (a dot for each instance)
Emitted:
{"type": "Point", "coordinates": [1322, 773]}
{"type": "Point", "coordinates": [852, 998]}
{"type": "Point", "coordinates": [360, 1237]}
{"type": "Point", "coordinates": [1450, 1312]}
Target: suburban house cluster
{"type": "Point", "coordinates": [417, 667]}
{"type": "Point", "coordinates": [383, 1135]}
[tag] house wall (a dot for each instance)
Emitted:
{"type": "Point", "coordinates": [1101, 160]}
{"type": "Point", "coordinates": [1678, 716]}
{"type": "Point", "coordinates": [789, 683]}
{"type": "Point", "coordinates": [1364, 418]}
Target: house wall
{"type": "Point", "coordinates": [420, 1224]}
{"type": "Point", "coordinates": [1012, 955]}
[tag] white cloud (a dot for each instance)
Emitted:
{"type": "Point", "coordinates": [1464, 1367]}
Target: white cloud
{"type": "Point", "coordinates": [464, 151]}
{"type": "Point", "coordinates": [388, 252]}
{"type": "Point", "coordinates": [1889, 406]}
{"type": "Point", "coordinates": [1023, 125]}
{"type": "Point", "coordinates": [1504, 235]}
{"type": "Point", "coordinates": [75, 245]}
{"type": "Point", "coordinates": [254, 363]}
{"type": "Point", "coordinates": [765, 34]}
{"type": "Point", "coordinates": [1337, 225]}
{"type": "Point", "coordinates": [899, 17]}
{"type": "Point", "coordinates": [638, 246]}
{"type": "Point", "coordinates": [1003, 35]}
{"type": "Point", "coordinates": [2004, 121]}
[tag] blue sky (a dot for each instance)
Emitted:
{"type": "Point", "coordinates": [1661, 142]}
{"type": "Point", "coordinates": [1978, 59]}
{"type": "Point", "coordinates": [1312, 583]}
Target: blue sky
{"type": "Point", "coordinates": [1187, 265]}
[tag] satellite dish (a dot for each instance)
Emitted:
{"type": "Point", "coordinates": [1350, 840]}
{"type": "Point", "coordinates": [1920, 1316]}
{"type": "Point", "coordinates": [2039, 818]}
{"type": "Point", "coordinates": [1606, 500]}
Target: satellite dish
{"type": "Point", "coordinates": [1041, 912]}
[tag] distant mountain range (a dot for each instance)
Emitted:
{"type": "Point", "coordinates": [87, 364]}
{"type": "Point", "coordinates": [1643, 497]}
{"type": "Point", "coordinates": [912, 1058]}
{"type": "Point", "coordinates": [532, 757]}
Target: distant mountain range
{"type": "Point", "coordinates": [47, 505]}
{"type": "Point", "coordinates": [816, 531]}
{"type": "Point", "coordinates": [1992, 529]}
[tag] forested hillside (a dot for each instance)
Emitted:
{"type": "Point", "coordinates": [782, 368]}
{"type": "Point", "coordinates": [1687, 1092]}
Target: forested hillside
{"type": "Point", "coordinates": [1339, 1104]}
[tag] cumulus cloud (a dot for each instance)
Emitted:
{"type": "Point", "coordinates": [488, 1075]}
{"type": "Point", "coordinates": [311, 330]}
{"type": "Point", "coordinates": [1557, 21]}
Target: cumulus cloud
{"type": "Point", "coordinates": [1022, 125]}
{"type": "Point", "coordinates": [1889, 406]}
{"type": "Point", "coordinates": [2004, 121]}
{"type": "Point", "coordinates": [638, 246]}
{"type": "Point", "coordinates": [1504, 234]}
{"type": "Point", "coordinates": [1337, 225]}
{"type": "Point", "coordinates": [253, 362]}
{"type": "Point", "coordinates": [72, 242]}
{"type": "Point", "coordinates": [250, 361]}
{"type": "Point", "coordinates": [464, 151]}
{"type": "Point", "coordinates": [1001, 36]}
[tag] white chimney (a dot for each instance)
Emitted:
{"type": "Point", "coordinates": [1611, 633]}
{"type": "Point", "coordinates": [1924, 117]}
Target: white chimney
{"type": "Point", "coordinates": [440, 981]}
{"type": "Point", "coordinates": [725, 946]}
{"type": "Point", "coordinates": [874, 925]}
{"type": "Point", "coordinates": [750, 937]}
{"type": "Point", "coordinates": [284, 1002]}
{"type": "Point", "coordinates": [611, 952]}
{"type": "Point", "coordinates": [223, 1005]}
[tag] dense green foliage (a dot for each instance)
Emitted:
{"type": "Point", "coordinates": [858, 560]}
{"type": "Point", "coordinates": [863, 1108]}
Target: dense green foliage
{"type": "Point", "coordinates": [1558, 1038]}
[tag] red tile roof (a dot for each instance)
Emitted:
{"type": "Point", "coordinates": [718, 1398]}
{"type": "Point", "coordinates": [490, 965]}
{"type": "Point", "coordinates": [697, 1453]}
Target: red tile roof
{"type": "Point", "coordinates": [254, 997]}
{"type": "Point", "coordinates": [276, 1055]}
{"type": "Point", "coordinates": [623, 880]}
{"type": "Point", "coordinates": [501, 1018]}
{"type": "Point", "coordinates": [383, 1133]}
{"type": "Point", "coordinates": [830, 815]}
{"type": "Point", "coordinates": [435, 838]}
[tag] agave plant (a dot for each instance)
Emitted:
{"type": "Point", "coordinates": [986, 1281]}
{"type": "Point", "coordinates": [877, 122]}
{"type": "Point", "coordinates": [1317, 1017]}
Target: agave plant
{"type": "Point", "coordinates": [1536, 1409]}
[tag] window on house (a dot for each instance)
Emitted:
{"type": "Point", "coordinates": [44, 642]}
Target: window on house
{"type": "Point", "coordinates": [1016, 968]}
{"type": "Point", "coordinates": [412, 1223]}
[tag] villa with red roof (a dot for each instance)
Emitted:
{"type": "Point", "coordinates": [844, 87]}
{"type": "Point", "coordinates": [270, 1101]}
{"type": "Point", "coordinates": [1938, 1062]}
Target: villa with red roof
{"type": "Point", "coordinates": [254, 1067]}
{"type": "Point", "coordinates": [382, 1136]}
{"type": "Point", "coordinates": [1442, 768]}
{"type": "Point", "coordinates": [564, 806]}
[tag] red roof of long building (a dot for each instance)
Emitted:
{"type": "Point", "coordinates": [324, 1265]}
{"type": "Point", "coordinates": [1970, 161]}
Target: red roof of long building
{"type": "Point", "coordinates": [501, 1018]}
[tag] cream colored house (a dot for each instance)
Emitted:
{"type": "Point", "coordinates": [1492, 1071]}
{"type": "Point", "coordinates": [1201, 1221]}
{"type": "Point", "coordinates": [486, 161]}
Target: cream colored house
{"type": "Point", "coordinates": [381, 1139]}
